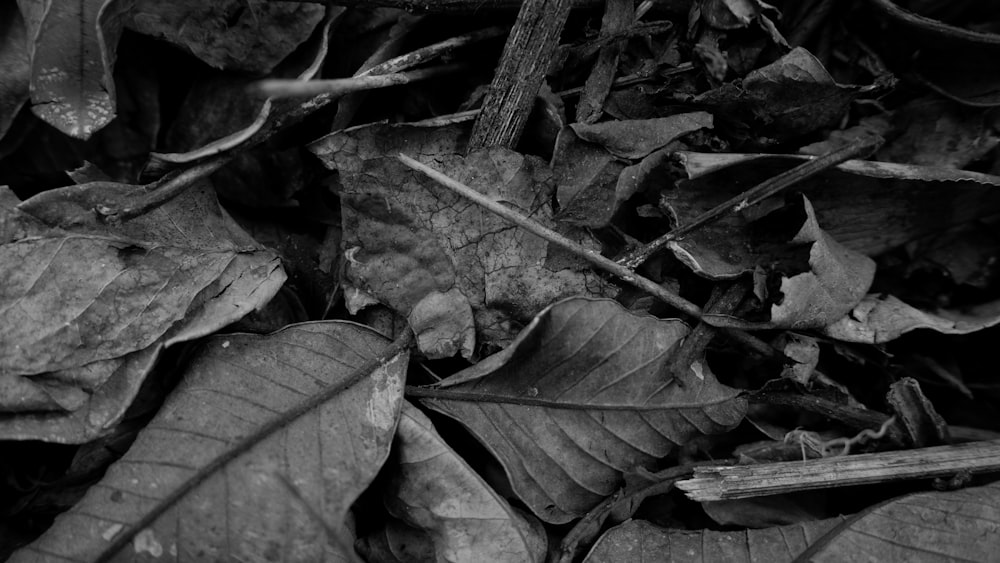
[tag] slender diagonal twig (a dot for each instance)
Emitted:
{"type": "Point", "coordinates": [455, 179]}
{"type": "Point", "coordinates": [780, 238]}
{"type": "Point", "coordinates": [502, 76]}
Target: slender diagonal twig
{"type": "Point", "coordinates": [592, 256]}
{"type": "Point", "coordinates": [753, 196]}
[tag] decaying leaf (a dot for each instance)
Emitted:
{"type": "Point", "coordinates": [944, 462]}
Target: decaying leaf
{"type": "Point", "coordinates": [72, 47]}
{"type": "Point", "coordinates": [233, 508]}
{"type": "Point", "coordinates": [460, 516]}
{"type": "Point", "coordinates": [881, 318]}
{"type": "Point", "coordinates": [592, 181]}
{"type": "Point", "coordinates": [790, 97]}
{"type": "Point", "coordinates": [635, 139]}
{"type": "Point", "coordinates": [579, 398]}
{"type": "Point", "coordinates": [88, 305]}
{"type": "Point", "coordinates": [960, 525]}
{"type": "Point", "coordinates": [234, 34]}
{"type": "Point", "coordinates": [638, 540]}
{"type": "Point", "coordinates": [221, 113]}
{"type": "Point", "coordinates": [406, 237]}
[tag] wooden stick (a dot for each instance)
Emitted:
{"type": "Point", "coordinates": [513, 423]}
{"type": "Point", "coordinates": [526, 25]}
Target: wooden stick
{"type": "Point", "coordinates": [753, 196]}
{"type": "Point", "coordinates": [592, 256]}
{"type": "Point", "coordinates": [525, 59]}
{"type": "Point", "coordinates": [746, 481]}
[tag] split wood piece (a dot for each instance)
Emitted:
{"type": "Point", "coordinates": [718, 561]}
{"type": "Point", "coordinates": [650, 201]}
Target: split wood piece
{"type": "Point", "coordinates": [628, 276]}
{"type": "Point", "coordinates": [526, 57]}
{"type": "Point", "coordinates": [618, 16]}
{"type": "Point", "coordinates": [767, 188]}
{"type": "Point", "coordinates": [746, 481]}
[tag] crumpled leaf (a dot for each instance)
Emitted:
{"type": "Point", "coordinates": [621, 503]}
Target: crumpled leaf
{"type": "Point", "coordinates": [639, 540]}
{"type": "Point", "coordinates": [221, 113]}
{"type": "Point", "coordinates": [579, 398]}
{"type": "Point", "coordinates": [836, 281]}
{"type": "Point", "coordinates": [238, 35]}
{"type": "Point", "coordinates": [960, 525]}
{"type": "Point", "coordinates": [788, 98]}
{"type": "Point", "coordinates": [240, 510]}
{"type": "Point", "coordinates": [406, 237]}
{"type": "Point", "coordinates": [15, 64]}
{"type": "Point", "coordinates": [85, 306]}
{"type": "Point", "coordinates": [634, 139]}
{"type": "Point", "coordinates": [72, 57]}
{"type": "Point", "coordinates": [461, 517]}
{"type": "Point", "coordinates": [869, 207]}
{"type": "Point", "coordinates": [882, 318]}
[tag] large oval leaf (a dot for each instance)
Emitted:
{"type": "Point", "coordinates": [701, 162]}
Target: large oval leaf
{"type": "Point", "coordinates": [190, 490]}
{"type": "Point", "coordinates": [579, 398]}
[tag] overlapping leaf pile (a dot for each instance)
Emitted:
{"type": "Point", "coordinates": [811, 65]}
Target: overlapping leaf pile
{"type": "Point", "coordinates": [179, 194]}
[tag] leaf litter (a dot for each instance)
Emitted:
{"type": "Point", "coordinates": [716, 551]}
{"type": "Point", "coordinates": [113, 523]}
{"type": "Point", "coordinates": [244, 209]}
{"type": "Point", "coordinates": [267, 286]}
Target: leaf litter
{"type": "Point", "coordinates": [522, 328]}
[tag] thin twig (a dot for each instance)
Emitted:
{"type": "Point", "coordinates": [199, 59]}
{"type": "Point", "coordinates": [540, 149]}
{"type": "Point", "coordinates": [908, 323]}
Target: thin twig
{"type": "Point", "coordinates": [592, 256]}
{"type": "Point", "coordinates": [754, 195]}
{"type": "Point", "coordinates": [275, 88]}
{"type": "Point", "coordinates": [121, 541]}
{"type": "Point", "coordinates": [430, 52]}
{"type": "Point", "coordinates": [161, 191]}
{"type": "Point", "coordinates": [746, 481]}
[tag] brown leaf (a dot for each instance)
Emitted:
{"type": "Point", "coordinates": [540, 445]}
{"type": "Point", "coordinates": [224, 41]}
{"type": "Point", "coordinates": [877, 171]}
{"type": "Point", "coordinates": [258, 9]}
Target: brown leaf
{"type": "Point", "coordinates": [463, 519]}
{"type": "Point", "coordinates": [636, 139]}
{"type": "Point", "coordinates": [15, 64]}
{"type": "Point", "coordinates": [72, 57]}
{"type": "Point", "coordinates": [406, 237]}
{"type": "Point", "coordinates": [86, 307]}
{"type": "Point", "coordinates": [881, 318]}
{"type": "Point", "coordinates": [238, 35]}
{"type": "Point", "coordinates": [869, 207]}
{"type": "Point", "coordinates": [790, 97]}
{"type": "Point", "coordinates": [638, 540]}
{"type": "Point", "coordinates": [238, 507]}
{"type": "Point", "coordinates": [938, 526]}
{"type": "Point", "coordinates": [221, 113]}
{"type": "Point", "coordinates": [579, 398]}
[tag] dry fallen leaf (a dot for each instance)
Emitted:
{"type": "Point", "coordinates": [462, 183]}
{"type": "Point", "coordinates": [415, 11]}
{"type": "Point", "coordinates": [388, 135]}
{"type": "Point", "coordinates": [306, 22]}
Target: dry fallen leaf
{"type": "Point", "coordinates": [638, 540]}
{"type": "Point", "coordinates": [184, 491]}
{"type": "Point", "coordinates": [581, 397]}
{"type": "Point", "coordinates": [460, 517]}
{"type": "Point", "coordinates": [406, 237]}
{"type": "Point", "coordinates": [959, 525]}
{"type": "Point", "coordinates": [89, 306]}
{"type": "Point", "coordinates": [72, 47]}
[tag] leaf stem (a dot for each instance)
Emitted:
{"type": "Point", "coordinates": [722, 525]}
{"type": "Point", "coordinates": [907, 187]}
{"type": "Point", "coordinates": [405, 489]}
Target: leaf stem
{"type": "Point", "coordinates": [401, 344]}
